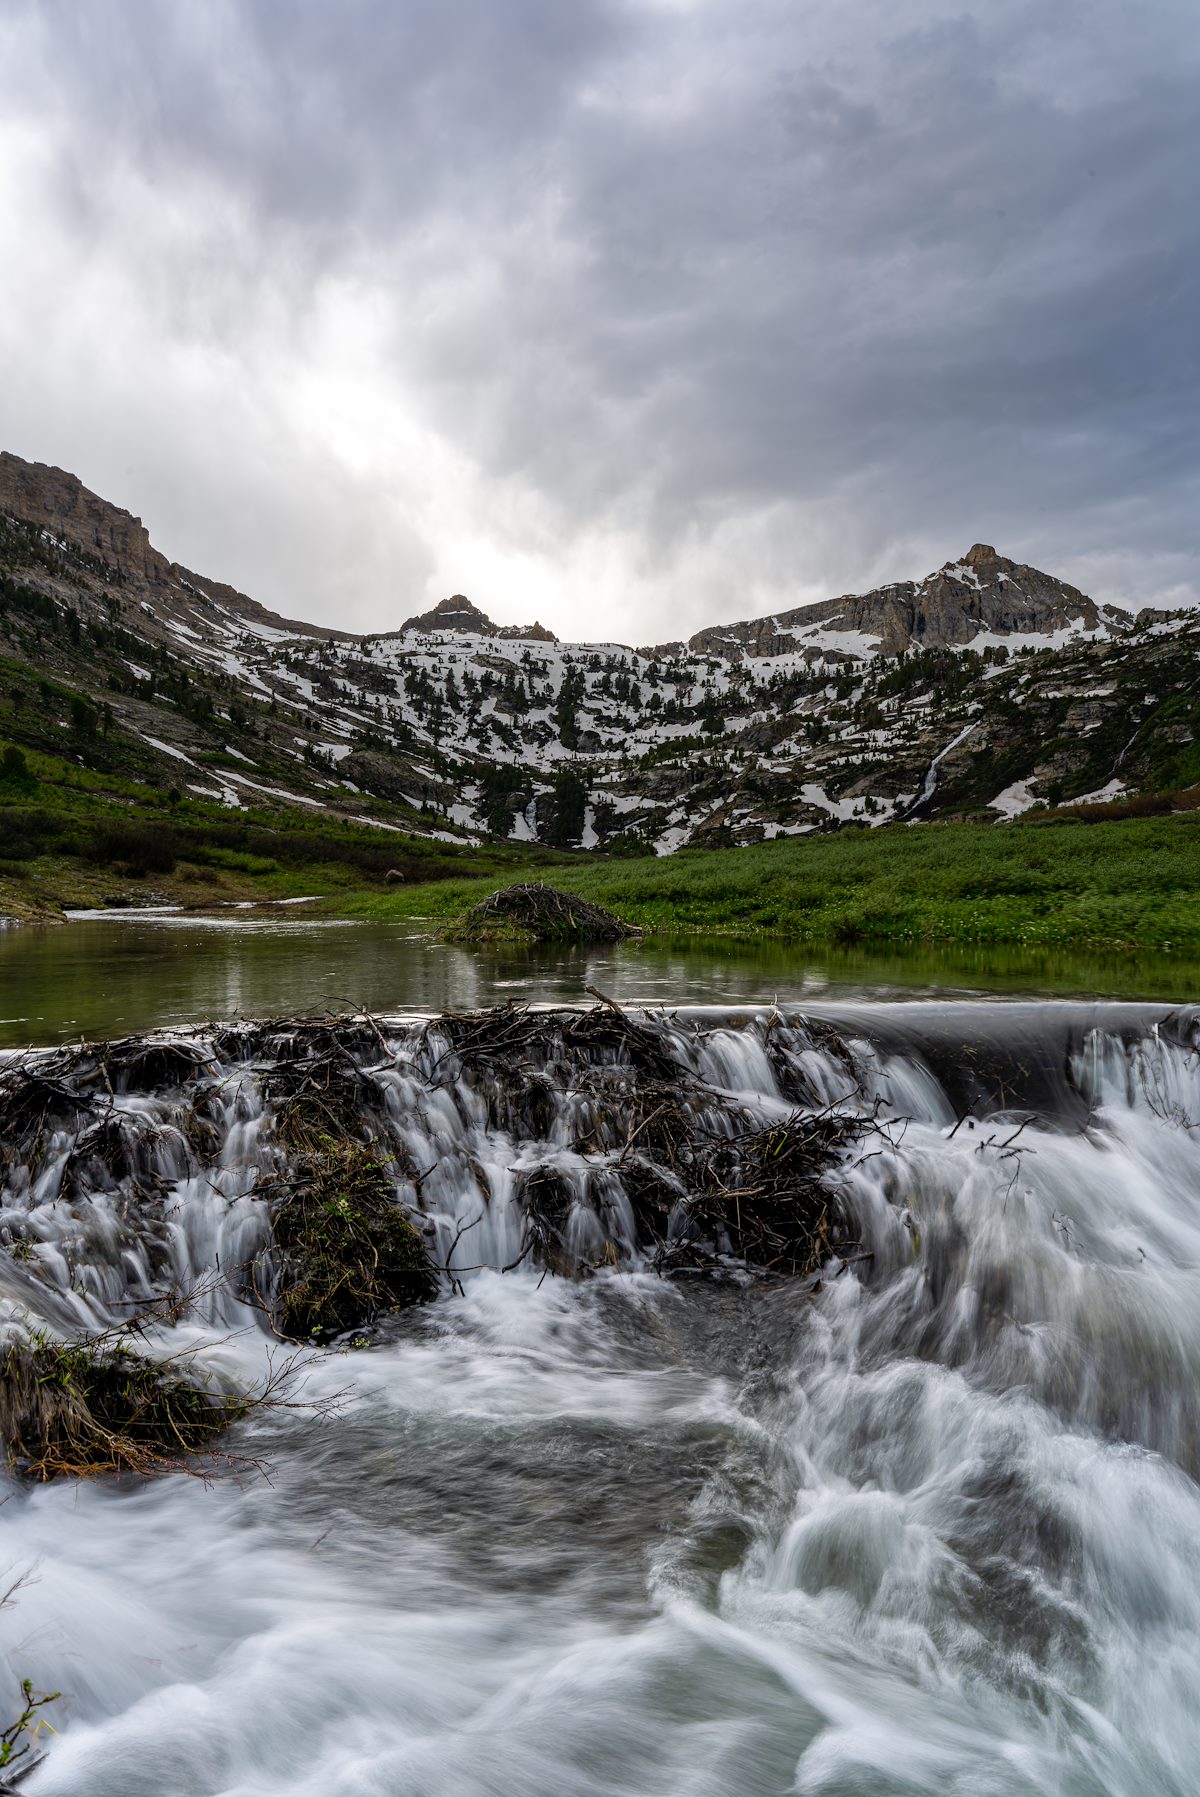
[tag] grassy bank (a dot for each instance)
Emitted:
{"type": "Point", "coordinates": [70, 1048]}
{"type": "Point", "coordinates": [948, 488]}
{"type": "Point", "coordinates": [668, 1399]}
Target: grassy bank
{"type": "Point", "coordinates": [1120, 886]}
{"type": "Point", "coordinates": [73, 836]}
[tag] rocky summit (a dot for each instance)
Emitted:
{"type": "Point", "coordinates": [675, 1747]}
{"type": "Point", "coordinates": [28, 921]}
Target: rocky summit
{"type": "Point", "coordinates": [458, 614]}
{"type": "Point", "coordinates": [983, 597]}
{"type": "Point", "coordinates": [984, 690]}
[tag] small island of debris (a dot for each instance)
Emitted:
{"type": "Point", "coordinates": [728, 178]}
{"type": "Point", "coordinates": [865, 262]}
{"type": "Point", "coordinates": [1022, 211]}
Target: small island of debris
{"type": "Point", "coordinates": [538, 913]}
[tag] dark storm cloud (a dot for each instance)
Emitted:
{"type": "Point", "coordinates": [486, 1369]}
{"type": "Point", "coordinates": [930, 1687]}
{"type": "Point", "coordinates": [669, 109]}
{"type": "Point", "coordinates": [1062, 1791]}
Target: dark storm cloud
{"type": "Point", "coordinates": [658, 311]}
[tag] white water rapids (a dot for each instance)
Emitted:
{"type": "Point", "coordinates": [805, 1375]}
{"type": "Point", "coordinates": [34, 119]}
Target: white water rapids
{"type": "Point", "coordinates": [933, 1527]}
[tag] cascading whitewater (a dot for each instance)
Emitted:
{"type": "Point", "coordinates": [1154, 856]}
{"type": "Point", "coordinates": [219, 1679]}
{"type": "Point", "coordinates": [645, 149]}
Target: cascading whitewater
{"type": "Point", "coordinates": [921, 1517]}
{"type": "Point", "coordinates": [572, 1139]}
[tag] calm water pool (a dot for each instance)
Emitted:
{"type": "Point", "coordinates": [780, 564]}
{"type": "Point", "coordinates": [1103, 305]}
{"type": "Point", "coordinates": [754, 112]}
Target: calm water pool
{"type": "Point", "coordinates": [110, 974]}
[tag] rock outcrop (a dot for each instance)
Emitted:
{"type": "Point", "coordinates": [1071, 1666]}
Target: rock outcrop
{"type": "Point", "coordinates": [982, 593]}
{"type": "Point", "coordinates": [455, 613]}
{"type": "Point", "coordinates": [71, 514]}
{"type": "Point", "coordinates": [64, 507]}
{"type": "Point", "coordinates": [526, 633]}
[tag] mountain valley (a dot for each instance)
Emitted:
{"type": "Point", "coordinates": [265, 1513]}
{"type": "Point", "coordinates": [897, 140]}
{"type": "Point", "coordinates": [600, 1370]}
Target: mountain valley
{"type": "Point", "coordinates": [986, 691]}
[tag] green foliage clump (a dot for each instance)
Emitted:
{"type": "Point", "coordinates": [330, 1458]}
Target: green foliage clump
{"type": "Point", "coordinates": [12, 1748]}
{"type": "Point", "coordinates": [140, 848]}
{"type": "Point", "coordinates": [16, 776]}
{"type": "Point", "coordinates": [567, 808]}
{"type": "Point", "coordinates": [93, 1406]}
{"type": "Point", "coordinates": [347, 1250]}
{"type": "Point", "coordinates": [500, 789]}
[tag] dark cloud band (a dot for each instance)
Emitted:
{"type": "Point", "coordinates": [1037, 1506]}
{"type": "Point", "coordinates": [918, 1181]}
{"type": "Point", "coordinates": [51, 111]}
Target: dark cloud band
{"type": "Point", "coordinates": [674, 308]}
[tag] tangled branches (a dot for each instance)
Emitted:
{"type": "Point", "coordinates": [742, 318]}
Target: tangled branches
{"type": "Point", "coordinates": [702, 1180]}
{"type": "Point", "coordinates": [35, 1097]}
{"type": "Point", "coordinates": [762, 1198]}
{"type": "Point", "coordinates": [41, 1092]}
{"type": "Point", "coordinates": [93, 1405]}
{"type": "Point", "coordinates": [96, 1403]}
{"type": "Point", "coordinates": [539, 913]}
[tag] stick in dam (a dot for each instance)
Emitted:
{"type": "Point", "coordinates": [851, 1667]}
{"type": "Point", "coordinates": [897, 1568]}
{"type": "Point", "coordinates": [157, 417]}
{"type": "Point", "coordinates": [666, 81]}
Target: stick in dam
{"type": "Point", "coordinates": [325, 1222]}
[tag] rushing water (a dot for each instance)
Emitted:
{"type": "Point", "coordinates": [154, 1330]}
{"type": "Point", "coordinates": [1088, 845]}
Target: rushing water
{"type": "Point", "coordinates": [931, 1526]}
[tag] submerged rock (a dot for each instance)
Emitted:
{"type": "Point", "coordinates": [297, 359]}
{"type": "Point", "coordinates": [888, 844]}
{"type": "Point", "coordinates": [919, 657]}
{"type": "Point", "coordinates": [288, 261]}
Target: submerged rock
{"type": "Point", "coordinates": [539, 913]}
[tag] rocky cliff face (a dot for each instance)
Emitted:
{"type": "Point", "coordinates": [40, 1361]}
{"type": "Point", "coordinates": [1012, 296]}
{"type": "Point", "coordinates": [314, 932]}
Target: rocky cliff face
{"type": "Point", "coordinates": [526, 633]}
{"type": "Point", "coordinates": [62, 505]}
{"type": "Point", "coordinates": [984, 593]}
{"type": "Point", "coordinates": [457, 613]}
{"type": "Point", "coordinates": [72, 514]}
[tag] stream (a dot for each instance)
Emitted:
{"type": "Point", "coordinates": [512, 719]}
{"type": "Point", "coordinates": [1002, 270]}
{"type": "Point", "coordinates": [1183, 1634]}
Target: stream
{"type": "Point", "coordinates": [112, 973]}
{"type": "Point", "coordinates": [925, 1522]}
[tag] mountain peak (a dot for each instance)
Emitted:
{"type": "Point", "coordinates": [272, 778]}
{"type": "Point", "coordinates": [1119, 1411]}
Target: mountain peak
{"type": "Point", "coordinates": [984, 595]}
{"type": "Point", "coordinates": [454, 613]}
{"type": "Point", "coordinates": [458, 613]}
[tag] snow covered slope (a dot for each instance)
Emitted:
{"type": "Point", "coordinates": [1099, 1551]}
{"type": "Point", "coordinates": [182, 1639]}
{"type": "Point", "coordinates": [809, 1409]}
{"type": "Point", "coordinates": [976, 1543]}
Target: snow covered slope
{"type": "Point", "coordinates": [984, 689]}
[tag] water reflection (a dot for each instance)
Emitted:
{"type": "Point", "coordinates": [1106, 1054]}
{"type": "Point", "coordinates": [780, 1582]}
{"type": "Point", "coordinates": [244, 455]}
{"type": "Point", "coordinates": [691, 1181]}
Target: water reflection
{"type": "Point", "coordinates": [107, 975]}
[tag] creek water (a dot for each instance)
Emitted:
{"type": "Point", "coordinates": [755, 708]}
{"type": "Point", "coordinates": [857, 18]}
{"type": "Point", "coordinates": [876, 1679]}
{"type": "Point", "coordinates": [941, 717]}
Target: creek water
{"type": "Point", "coordinates": [928, 1525]}
{"type": "Point", "coordinates": [113, 973]}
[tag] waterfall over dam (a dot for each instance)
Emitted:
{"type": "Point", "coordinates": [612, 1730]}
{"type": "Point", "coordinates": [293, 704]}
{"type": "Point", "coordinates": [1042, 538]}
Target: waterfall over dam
{"type": "Point", "coordinates": [800, 1402]}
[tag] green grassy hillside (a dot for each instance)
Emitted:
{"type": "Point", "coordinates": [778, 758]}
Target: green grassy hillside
{"type": "Point", "coordinates": [75, 835]}
{"type": "Point", "coordinates": [70, 834]}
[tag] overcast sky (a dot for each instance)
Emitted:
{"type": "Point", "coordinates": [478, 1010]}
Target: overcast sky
{"type": "Point", "coordinates": [633, 315]}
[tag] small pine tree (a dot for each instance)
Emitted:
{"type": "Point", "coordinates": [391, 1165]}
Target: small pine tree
{"type": "Point", "coordinates": [568, 810]}
{"type": "Point", "coordinates": [15, 772]}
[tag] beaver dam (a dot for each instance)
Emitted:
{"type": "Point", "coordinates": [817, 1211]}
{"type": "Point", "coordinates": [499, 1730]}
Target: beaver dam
{"type": "Point", "coordinates": [607, 1401]}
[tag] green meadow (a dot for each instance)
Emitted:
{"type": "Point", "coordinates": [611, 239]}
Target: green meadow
{"type": "Point", "coordinates": [72, 836]}
{"type": "Point", "coordinates": [1131, 884]}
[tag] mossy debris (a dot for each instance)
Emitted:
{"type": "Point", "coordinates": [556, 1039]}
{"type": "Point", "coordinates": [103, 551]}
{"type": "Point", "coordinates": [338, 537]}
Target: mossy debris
{"type": "Point", "coordinates": [347, 1251]}
{"type": "Point", "coordinates": [538, 913]}
{"type": "Point", "coordinates": [93, 1406]}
